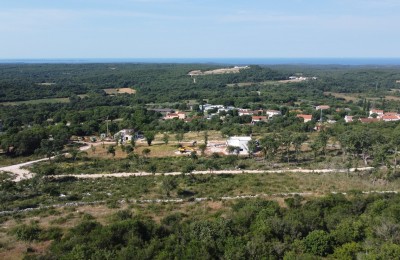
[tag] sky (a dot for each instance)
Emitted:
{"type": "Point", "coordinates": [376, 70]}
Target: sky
{"type": "Point", "coordinates": [51, 29]}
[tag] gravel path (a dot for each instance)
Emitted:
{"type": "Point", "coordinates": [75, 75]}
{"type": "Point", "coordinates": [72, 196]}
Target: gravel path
{"type": "Point", "coordinates": [140, 174]}
{"type": "Point", "coordinates": [23, 174]}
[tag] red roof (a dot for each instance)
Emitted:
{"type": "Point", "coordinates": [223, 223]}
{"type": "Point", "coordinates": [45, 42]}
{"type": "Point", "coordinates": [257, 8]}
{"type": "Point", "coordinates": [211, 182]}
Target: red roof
{"type": "Point", "coordinates": [259, 117]}
{"type": "Point", "coordinates": [305, 117]}
{"type": "Point", "coordinates": [390, 117]}
{"type": "Point", "coordinates": [323, 107]}
{"type": "Point", "coordinates": [390, 114]}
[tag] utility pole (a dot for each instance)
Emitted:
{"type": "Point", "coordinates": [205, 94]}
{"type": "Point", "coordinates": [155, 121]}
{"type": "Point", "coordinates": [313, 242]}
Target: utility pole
{"type": "Point", "coordinates": [108, 133]}
{"type": "Point", "coordinates": [321, 116]}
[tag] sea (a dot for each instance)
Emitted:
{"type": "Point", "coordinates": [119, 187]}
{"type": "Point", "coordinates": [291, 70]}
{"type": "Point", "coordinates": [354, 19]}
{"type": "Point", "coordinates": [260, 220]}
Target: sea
{"type": "Point", "coordinates": [227, 61]}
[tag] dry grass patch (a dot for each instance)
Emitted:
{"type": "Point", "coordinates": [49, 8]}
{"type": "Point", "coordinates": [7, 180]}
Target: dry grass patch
{"type": "Point", "coordinates": [115, 91]}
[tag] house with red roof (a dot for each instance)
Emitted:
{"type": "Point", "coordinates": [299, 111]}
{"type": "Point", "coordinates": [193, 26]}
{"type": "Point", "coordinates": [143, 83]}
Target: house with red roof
{"type": "Point", "coordinates": [376, 111]}
{"type": "Point", "coordinates": [306, 118]}
{"type": "Point", "coordinates": [255, 119]}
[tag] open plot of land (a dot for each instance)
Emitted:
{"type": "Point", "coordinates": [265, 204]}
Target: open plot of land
{"type": "Point", "coordinates": [115, 91]}
{"type": "Point", "coordinates": [39, 101]}
{"type": "Point", "coordinates": [216, 71]}
{"type": "Point", "coordinates": [354, 97]}
{"type": "Point", "coordinates": [46, 84]}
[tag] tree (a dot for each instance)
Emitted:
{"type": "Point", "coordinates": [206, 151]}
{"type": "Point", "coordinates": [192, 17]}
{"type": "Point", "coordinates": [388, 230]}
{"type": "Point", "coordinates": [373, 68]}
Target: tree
{"type": "Point", "coordinates": [179, 137]}
{"type": "Point", "coordinates": [165, 138]}
{"type": "Point", "coordinates": [93, 148]}
{"type": "Point", "coordinates": [322, 141]}
{"type": "Point", "coordinates": [252, 147]}
{"type": "Point", "coordinates": [149, 137]}
{"type": "Point", "coordinates": [206, 138]}
{"type": "Point", "coordinates": [193, 155]}
{"type": "Point", "coordinates": [286, 139]}
{"type": "Point", "coordinates": [318, 242]}
{"type": "Point", "coordinates": [50, 147]}
{"type": "Point", "coordinates": [146, 152]}
{"type": "Point", "coordinates": [75, 153]}
{"type": "Point", "coordinates": [111, 150]}
{"type": "Point", "coordinates": [202, 148]}
{"type": "Point", "coordinates": [395, 143]}
{"type": "Point", "coordinates": [269, 146]}
{"type": "Point", "coordinates": [129, 149]}
{"type": "Point", "coordinates": [188, 168]}
{"type": "Point", "coordinates": [233, 149]}
{"type": "Point", "coordinates": [168, 184]}
{"type": "Point", "coordinates": [298, 140]}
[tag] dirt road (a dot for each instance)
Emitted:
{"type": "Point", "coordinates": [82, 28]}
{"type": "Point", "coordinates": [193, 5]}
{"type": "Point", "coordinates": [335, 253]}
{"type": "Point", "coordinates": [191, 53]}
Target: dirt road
{"type": "Point", "coordinates": [139, 174]}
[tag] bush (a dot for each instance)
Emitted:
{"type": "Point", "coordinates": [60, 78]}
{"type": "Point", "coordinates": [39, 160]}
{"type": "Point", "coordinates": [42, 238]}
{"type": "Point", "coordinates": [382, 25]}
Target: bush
{"type": "Point", "coordinates": [27, 233]}
{"type": "Point", "coordinates": [318, 242]}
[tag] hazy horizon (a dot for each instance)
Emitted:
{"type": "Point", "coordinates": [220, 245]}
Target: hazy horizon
{"type": "Point", "coordinates": [161, 29]}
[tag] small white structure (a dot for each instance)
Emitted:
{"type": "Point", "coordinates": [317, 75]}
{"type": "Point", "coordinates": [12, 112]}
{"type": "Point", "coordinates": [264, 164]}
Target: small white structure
{"type": "Point", "coordinates": [271, 113]}
{"type": "Point", "coordinates": [241, 142]}
{"type": "Point", "coordinates": [348, 119]}
{"type": "Point", "coordinates": [124, 136]}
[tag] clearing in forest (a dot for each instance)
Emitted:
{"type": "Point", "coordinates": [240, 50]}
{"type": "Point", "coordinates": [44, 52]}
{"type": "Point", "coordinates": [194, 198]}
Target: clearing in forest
{"type": "Point", "coordinates": [217, 71]}
{"type": "Point", "coordinates": [115, 91]}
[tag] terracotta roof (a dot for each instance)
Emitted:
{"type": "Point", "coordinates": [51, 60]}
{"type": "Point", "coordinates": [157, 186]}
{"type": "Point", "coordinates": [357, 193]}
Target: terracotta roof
{"type": "Point", "coordinates": [305, 117]}
{"type": "Point", "coordinates": [259, 117]}
{"type": "Point", "coordinates": [390, 114]}
{"type": "Point", "coordinates": [390, 117]}
{"type": "Point", "coordinates": [323, 107]}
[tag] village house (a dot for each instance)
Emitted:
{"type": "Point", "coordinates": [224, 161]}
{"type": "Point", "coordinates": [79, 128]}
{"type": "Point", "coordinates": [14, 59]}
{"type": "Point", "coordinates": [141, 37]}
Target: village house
{"type": "Point", "coordinates": [241, 142]}
{"type": "Point", "coordinates": [255, 119]}
{"type": "Point", "coordinates": [207, 107]}
{"type": "Point", "coordinates": [390, 116]}
{"type": "Point", "coordinates": [125, 136]}
{"type": "Point", "coordinates": [271, 113]}
{"type": "Point", "coordinates": [348, 119]}
{"type": "Point", "coordinates": [245, 112]}
{"type": "Point", "coordinates": [177, 115]}
{"type": "Point", "coordinates": [306, 118]}
{"type": "Point", "coordinates": [322, 107]}
{"type": "Point", "coordinates": [378, 112]}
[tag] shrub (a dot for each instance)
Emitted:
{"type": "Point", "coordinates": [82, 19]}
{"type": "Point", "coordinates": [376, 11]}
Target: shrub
{"type": "Point", "coordinates": [27, 232]}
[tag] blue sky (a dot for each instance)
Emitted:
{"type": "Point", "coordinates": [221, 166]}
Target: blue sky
{"type": "Point", "coordinates": [199, 28]}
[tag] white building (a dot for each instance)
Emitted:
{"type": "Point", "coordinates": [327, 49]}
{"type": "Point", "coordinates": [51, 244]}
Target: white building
{"type": "Point", "coordinates": [125, 136]}
{"type": "Point", "coordinates": [241, 142]}
{"type": "Point", "coordinates": [348, 119]}
{"type": "Point", "coordinates": [271, 113]}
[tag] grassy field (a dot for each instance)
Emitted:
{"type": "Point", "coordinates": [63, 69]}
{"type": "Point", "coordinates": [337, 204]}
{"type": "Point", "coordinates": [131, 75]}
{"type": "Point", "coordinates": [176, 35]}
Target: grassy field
{"type": "Point", "coordinates": [6, 160]}
{"type": "Point", "coordinates": [39, 101]}
{"type": "Point", "coordinates": [358, 96]}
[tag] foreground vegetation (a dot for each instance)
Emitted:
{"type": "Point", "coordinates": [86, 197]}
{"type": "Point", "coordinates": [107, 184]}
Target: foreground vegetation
{"type": "Point", "coordinates": [334, 226]}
